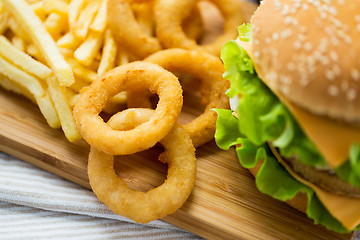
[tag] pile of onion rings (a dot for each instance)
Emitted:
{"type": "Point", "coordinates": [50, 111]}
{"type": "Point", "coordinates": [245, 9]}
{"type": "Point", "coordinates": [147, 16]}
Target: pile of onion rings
{"type": "Point", "coordinates": [153, 69]}
{"type": "Point", "coordinates": [134, 130]}
{"type": "Point", "coordinates": [169, 15]}
{"type": "Point", "coordinates": [158, 202]}
{"type": "Point", "coordinates": [204, 67]}
{"type": "Point", "coordinates": [171, 26]}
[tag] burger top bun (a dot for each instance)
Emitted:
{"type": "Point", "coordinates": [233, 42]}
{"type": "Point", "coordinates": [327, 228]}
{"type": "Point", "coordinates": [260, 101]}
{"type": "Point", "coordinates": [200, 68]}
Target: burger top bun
{"type": "Point", "coordinates": [309, 51]}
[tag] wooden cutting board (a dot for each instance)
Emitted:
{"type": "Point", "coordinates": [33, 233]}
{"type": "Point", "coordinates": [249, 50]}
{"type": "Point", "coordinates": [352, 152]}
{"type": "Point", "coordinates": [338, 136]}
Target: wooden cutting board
{"type": "Point", "coordinates": [224, 204]}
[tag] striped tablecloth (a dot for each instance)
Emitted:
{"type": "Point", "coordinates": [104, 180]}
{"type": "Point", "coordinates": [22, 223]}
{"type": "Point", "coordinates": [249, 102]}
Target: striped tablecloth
{"type": "Point", "coordinates": [35, 204]}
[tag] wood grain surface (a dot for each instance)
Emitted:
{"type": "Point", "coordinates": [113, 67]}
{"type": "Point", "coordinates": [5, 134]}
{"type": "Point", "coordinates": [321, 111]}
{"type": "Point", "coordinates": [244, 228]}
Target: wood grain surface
{"type": "Point", "coordinates": [224, 204]}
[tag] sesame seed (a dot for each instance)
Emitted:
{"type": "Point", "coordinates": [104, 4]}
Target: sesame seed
{"type": "Point", "coordinates": [333, 90]}
{"type": "Point", "coordinates": [355, 74]}
{"type": "Point", "coordinates": [297, 45]}
{"type": "Point", "coordinates": [348, 39]}
{"type": "Point", "coordinates": [272, 76]}
{"type": "Point", "coordinates": [302, 37]}
{"type": "Point", "coordinates": [288, 20]}
{"type": "Point", "coordinates": [285, 89]}
{"type": "Point", "coordinates": [308, 46]}
{"type": "Point", "coordinates": [334, 41]}
{"type": "Point", "coordinates": [304, 80]}
{"type": "Point", "coordinates": [333, 56]}
{"type": "Point", "coordinates": [275, 36]}
{"type": "Point", "coordinates": [336, 69]}
{"type": "Point", "coordinates": [285, 9]}
{"type": "Point", "coordinates": [291, 66]}
{"type": "Point", "coordinates": [330, 75]}
{"type": "Point", "coordinates": [351, 94]}
{"type": "Point", "coordinates": [285, 79]}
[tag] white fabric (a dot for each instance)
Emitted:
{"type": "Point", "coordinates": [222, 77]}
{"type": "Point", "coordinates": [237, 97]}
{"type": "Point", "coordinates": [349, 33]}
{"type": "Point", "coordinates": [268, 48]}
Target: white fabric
{"type": "Point", "coordinates": [35, 204]}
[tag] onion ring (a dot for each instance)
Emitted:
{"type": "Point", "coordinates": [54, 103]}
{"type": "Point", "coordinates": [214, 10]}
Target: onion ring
{"type": "Point", "coordinates": [136, 76]}
{"type": "Point", "coordinates": [193, 25]}
{"type": "Point", "coordinates": [203, 66]}
{"type": "Point", "coordinates": [170, 13]}
{"type": "Point", "coordinates": [158, 202]}
{"type": "Point", "coordinates": [127, 31]}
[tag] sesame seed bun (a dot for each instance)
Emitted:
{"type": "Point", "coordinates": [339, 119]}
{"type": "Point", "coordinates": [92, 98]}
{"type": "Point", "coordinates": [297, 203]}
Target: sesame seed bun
{"type": "Point", "coordinates": [309, 52]}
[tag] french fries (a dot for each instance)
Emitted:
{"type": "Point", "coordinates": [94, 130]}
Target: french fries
{"type": "Point", "coordinates": [51, 50]}
{"type": "Point", "coordinates": [63, 109]}
{"type": "Point", "coordinates": [12, 54]}
{"type": "Point", "coordinates": [33, 26]}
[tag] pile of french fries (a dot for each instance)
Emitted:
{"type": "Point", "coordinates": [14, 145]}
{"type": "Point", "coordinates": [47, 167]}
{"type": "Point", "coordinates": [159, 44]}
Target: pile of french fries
{"type": "Point", "coordinates": [50, 50]}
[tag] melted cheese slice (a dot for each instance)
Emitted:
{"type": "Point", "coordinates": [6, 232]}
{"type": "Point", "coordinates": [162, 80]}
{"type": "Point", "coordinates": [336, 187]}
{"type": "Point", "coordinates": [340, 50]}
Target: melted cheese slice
{"type": "Point", "coordinates": [344, 209]}
{"type": "Point", "coordinates": [332, 138]}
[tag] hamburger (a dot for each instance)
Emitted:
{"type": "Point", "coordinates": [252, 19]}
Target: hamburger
{"type": "Point", "coordinates": [294, 73]}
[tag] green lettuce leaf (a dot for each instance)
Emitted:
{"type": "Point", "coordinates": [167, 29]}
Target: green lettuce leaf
{"type": "Point", "coordinates": [350, 170]}
{"type": "Point", "coordinates": [263, 118]}
{"type": "Point", "coordinates": [272, 179]}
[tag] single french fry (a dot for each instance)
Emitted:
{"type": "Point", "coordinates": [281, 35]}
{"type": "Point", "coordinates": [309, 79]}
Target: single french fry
{"type": "Point", "coordinates": [109, 52]}
{"type": "Point", "coordinates": [85, 18]}
{"type": "Point", "coordinates": [73, 99]}
{"type": "Point", "coordinates": [75, 6]}
{"type": "Point", "coordinates": [81, 71]}
{"type": "Point", "coordinates": [68, 40]}
{"type": "Point", "coordinates": [22, 78]}
{"type": "Point", "coordinates": [15, 87]}
{"type": "Point", "coordinates": [79, 85]}
{"type": "Point", "coordinates": [21, 59]}
{"type": "Point", "coordinates": [63, 109]}
{"type": "Point", "coordinates": [122, 57]}
{"type": "Point", "coordinates": [33, 26]}
{"type": "Point", "coordinates": [18, 30]}
{"type": "Point", "coordinates": [56, 24]}
{"type": "Point", "coordinates": [33, 1]}
{"type": "Point", "coordinates": [4, 21]}
{"type": "Point", "coordinates": [116, 103]}
{"type": "Point", "coordinates": [39, 10]}
{"type": "Point", "coordinates": [47, 109]}
{"type": "Point", "coordinates": [87, 51]}
{"type": "Point", "coordinates": [56, 6]}
{"type": "Point", "coordinates": [18, 43]}
{"type": "Point", "coordinates": [100, 21]}
{"type": "Point", "coordinates": [33, 51]}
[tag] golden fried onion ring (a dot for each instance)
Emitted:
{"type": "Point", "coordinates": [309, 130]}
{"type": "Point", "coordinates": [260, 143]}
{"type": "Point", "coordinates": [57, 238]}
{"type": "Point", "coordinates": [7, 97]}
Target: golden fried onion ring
{"type": "Point", "coordinates": [170, 13]}
{"type": "Point", "coordinates": [209, 70]}
{"type": "Point", "coordinates": [158, 202]}
{"type": "Point", "coordinates": [127, 31]}
{"type": "Point", "coordinates": [137, 76]}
